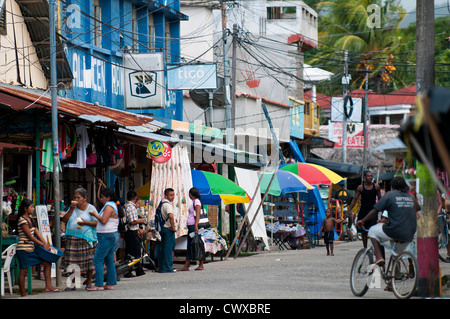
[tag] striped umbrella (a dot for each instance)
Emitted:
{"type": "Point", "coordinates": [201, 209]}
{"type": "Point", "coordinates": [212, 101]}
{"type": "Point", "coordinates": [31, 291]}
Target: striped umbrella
{"type": "Point", "coordinates": [215, 188]}
{"type": "Point", "coordinates": [284, 182]}
{"type": "Point", "coordinates": [313, 174]}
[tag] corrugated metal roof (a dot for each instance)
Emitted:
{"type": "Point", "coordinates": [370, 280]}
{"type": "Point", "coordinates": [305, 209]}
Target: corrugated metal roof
{"type": "Point", "coordinates": [19, 99]}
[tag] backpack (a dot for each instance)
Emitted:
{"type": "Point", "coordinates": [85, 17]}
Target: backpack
{"type": "Point", "coordinates": [122, 218]}
{"type": "Point", "coordinates": [159, 220]}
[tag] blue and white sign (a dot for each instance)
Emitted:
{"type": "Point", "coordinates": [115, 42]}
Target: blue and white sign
{"type": "Point", "coordinates": [144, 80]}
{"type": "Point", "coordinates": [189, 77]}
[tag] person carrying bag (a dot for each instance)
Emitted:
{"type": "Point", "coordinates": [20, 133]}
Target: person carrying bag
{"type": "Point", "coordinates": [193, 221]}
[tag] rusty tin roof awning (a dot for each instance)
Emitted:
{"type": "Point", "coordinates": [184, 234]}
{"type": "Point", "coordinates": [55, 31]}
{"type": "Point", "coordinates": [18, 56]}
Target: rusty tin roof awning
{"type": "Point", "coordinates": [16, 148]}
{"type": "Point", "coordinates": [20, 99]}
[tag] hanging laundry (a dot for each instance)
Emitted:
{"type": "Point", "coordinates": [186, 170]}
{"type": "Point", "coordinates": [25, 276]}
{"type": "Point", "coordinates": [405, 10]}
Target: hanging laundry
{"type": "Point", "coordinates": [47, 156]}
{"type": "Point", "coordinates": [78, 156]}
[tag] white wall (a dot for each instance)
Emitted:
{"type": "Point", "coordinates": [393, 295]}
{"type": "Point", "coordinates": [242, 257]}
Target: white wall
{"type": "Point", "coordinates": [30, 70]}
{"type": "Point", "coordinates": [197, 33]}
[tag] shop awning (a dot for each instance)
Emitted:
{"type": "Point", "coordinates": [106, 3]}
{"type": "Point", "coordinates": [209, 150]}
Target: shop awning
{"type": "Point", "coordinates": [16, 98]}
{"type": "Point", "coordinates": [202, 150]}
{"type": "Point", "coordinates": [16, 148]}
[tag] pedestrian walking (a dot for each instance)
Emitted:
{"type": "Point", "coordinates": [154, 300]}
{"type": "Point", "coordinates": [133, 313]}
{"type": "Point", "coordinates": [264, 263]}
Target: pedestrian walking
{"type": "Point", "coordinates": [165, 247]}
{"type": "Point", "coordinates": [81, 235]}
{"type": "Point", "coordinates": [368, 191]}
{"type": "Point", "coordinates": [328, 231]}
{"type": "Point", "coordinates": [108, 240]}
{"type": "Point", "coordinates": [192, 223]}
{"type": "Point", "coordinates": [133, 235]}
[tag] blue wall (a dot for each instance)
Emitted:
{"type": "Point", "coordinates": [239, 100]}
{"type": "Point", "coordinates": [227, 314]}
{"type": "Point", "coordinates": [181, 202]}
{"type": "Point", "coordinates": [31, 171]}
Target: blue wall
{"type": "Point", "coordinates": [97, 70]}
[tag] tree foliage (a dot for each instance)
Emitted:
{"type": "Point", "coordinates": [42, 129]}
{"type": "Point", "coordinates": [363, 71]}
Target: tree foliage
{"type": "Point", "coordinates": [369, 30]}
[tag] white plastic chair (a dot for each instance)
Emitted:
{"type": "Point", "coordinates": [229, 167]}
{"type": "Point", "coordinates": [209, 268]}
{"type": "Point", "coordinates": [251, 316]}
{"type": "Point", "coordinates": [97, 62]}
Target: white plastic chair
{"type": "Point", "coordinates": [7, 257]}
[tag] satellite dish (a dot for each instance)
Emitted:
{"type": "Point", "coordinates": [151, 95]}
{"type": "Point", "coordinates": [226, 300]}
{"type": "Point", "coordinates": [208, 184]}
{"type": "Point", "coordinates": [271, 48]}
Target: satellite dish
{"type": "Point", "coordinates": [201, 96]}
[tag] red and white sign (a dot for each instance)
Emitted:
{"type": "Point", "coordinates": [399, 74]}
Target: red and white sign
{"type": "Point", "coordinates": [165, 156]}
{"type": "Point", "coordinates": [355, 136]}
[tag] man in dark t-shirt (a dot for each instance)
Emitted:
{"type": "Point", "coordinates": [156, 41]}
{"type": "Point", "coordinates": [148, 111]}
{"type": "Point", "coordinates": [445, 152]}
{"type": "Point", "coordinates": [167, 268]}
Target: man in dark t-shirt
{"type": "Point", "coordinates": [369, 193]}
{"type": "Point", "coordinates": [402, 221]}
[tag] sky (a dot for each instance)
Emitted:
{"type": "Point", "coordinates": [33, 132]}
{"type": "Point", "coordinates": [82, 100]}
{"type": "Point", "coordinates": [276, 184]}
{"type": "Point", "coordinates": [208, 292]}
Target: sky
{"type": "Point", "coordinates": [410, 7]}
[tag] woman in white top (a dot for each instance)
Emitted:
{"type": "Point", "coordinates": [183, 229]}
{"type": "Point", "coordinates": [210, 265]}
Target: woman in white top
{"type": "Point", "coordinates": [192, 224]}
{"type": "Point", "coordinates": [108, 240]}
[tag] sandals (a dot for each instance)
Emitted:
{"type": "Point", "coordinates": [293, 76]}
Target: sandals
{"type": "Point", "coordinates": [94, 288]}
{"type": "Point", "coordinates": [53, 290]}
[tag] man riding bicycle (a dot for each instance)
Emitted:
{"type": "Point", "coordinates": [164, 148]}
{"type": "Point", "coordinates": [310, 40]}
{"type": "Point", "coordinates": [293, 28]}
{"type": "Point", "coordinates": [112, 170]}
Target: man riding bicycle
{"type": "Point", "coordinates": [402, 223]}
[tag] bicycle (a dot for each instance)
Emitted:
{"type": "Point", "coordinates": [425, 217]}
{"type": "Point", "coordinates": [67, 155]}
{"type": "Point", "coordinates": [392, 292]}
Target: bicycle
{"type": "Point", "coordinates": [401, 272]}
{"type": "Point", "coordinates": [125, 266]}
{"type": "Point", "coordinates": [443, 237]}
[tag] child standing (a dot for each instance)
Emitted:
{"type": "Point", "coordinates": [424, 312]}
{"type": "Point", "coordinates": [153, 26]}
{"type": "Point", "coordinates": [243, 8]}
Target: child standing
{"type": "Point", "coordinates": [328, 229]}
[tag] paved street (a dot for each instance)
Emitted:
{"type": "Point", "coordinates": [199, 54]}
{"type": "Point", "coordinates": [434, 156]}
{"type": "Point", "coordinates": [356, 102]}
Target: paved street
{"type": "Point", "coordinates": [271, 275]}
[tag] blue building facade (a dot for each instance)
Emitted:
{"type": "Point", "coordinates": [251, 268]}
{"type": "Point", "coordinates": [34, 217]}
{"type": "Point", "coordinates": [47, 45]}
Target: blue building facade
{"type": "Point", "coordinates": [96, 35]}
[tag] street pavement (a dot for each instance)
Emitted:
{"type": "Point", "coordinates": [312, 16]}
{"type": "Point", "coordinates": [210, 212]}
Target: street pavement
{"type": "Point", "coordinates": [274, 275]}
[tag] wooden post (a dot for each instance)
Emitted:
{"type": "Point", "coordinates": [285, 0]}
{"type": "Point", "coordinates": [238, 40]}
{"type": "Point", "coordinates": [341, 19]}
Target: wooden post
{"type": "Point", "coordinates": [427, 231]}
{"type": "Point", "coordinates": [427, 251]}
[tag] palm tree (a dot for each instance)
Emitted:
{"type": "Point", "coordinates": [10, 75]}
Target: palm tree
{"type": "Point", "coordinates": [349, 25]}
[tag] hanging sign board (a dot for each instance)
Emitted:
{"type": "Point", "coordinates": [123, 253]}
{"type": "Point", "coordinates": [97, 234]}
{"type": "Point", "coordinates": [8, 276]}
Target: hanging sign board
{"type": "Point", "coordinates": [144, 80]}
{"type": "Point", "coordinates": [355, 136]}
{"type": "Point", "coordinates": [190, 77]}
{"type": "Point", "coordinates": [159, 152]}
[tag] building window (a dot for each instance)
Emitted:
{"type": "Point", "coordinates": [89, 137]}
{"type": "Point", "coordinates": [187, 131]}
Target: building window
{"type": "Point", "coordinates": [274, 13]}
{"type": "Point", "coordinates": [135, 34]}
{"type": "Point", "coordinates": [151, 34]}
{"type": "Point", "coordinates": [3, 20]}
{"type": "Point", "coordinates": [168, 54]}
{"type": "Point", "coordinates": [97, 10]}
{"type": "Point", "coordinates": [307, 107]}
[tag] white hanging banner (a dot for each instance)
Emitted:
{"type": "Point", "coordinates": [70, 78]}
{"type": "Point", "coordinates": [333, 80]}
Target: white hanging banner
{"type": "Point", "coordinates": [45, 229]}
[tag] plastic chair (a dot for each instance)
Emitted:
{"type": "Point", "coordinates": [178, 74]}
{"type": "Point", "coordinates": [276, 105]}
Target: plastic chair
{"type": "Point", "coordinates": [7, 257]}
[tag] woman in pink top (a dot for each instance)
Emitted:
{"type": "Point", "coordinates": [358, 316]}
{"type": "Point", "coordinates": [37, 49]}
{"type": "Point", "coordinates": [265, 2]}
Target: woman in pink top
{"type": "Point", "coordinates": [192, 224]}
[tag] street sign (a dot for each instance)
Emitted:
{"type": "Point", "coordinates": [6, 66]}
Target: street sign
{"type": "Point", "coordinates": [354, 109]}
{"type": "Point", "coordinates": [355, 134]}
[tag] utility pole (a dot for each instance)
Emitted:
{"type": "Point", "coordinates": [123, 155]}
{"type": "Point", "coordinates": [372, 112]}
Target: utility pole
{"type": "Point", "coordinates": [345, 82]}
{"type": "Point", "coordinates": [233, 81]}
{"type": "Point", "coordinates": [366, 107]}
{"type": "Point", "coordinates": [54, 97]}
{"type": "Point", "coordinates": [427, 229]}
{"type": "Point", "coordinates": [226, 75]}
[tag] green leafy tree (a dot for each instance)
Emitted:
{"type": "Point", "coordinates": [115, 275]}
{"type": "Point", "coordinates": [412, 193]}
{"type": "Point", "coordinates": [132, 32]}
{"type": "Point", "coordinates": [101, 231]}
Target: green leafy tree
{"type": "Point", "coordinates": [405, 74]}
{"type": "Point", "coordinates": [368, 30]}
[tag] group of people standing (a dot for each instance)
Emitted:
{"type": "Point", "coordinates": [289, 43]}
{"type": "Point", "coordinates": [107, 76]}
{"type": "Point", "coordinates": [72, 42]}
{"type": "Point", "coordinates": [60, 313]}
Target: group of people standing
{"type": "Point", "coordinates": [92, 237]}
{"type": "Point", "coordinates": [165, 247]}
{"type": "Point", "coordinates": [91, 240]}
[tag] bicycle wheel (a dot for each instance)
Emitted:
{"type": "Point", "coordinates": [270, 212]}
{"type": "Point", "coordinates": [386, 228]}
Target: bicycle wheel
{"type": "Point", "coordinates": [122, 270]}
{"type": "Point", "coordinates": [443, 239]}
{"type": "Point", "coordinates": [360, 272]}
{"type": "Point", "coordinates": [405, 275]}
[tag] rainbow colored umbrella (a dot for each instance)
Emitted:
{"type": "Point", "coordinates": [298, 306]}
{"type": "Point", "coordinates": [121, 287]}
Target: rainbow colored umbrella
{"type": "Point", "coordinates": [215, 188]}
{"type": "Point", "coordinates": [313, 174]}
{"type": "Point", "coordinates": [284, 182]}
